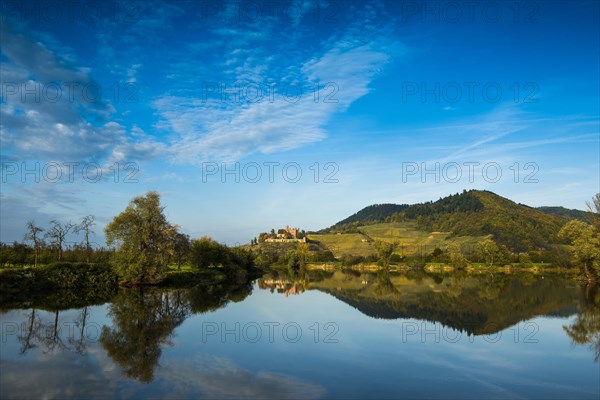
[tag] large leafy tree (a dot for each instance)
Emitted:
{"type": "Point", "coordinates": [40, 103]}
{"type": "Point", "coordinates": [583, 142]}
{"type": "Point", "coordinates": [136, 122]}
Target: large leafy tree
{"type": "Point", "coordinates": [207, 253]}
{"type": "Point", "coordinates": [143, 239]}
{"type": "Point", "coordinates": [385, 251]}
{"type": "Point", "coordinates": [457, 258]}
{"type": "Point", "coordinates": [586, 240]}
{"type": "Point", "coordinates": [181, 247]}
{"type": "Point", "coordinates": [489, 251]}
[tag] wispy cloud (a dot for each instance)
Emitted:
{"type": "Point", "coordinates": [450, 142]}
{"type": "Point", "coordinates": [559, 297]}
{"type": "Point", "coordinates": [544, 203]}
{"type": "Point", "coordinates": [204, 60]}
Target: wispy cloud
{"type": "Point", "coordinates": [288, 116]}
{"type": "Point", "coordinates": [51, 111]}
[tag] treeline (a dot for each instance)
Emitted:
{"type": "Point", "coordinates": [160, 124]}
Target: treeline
{"type": "Point", "coordinates": [142, 248]}
{"type": "Point", "coordinates": [370, 214]}
{"type": "Point", "coordinates": [22, 254]}
{"type": "Point", "coordinates": [291, 255]}
{"type": "Point", "coordinates": [457, 203]}
{"type": "Point", "coordinates": [41, 246]}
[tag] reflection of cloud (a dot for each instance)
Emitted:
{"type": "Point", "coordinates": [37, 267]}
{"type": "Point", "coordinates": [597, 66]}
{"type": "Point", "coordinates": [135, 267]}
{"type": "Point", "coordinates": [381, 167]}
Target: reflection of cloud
{"type": "Point", "coordinates": [65, 376]}
{"type": "Point", "coordinates": [219, 378]}
{"type": "Point", "coordinates": [496, 376]}
{"type": "Point", "coordinates": [68, 375]}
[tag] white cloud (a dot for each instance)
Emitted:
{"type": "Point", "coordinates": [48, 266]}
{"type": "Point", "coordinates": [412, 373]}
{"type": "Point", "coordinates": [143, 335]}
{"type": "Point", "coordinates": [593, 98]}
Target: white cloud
{"type": "Point", "coordinates": [52, 111]}
{"type": "Point", "coordinates": [231, 128]}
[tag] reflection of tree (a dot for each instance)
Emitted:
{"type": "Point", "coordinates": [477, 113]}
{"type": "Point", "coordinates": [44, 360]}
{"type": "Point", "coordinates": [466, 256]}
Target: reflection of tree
{"type": "Point", "coordinates": [142, 320]}
{"type": "Point", "coordinates": [80, 345]}
{"type": "Point", "coordinates": [475, 303]}
{"type": "Point", "coordinates": [46, 334]}
{"type": "Point", "coordinates": [28, 336]}
{"type": "Point", "coordinates": [210, 297]}
{"type": "Point", "coordinates": [383, 284]}
{"type": "Point", "coordinates": [586, 328]}
{"type": "Point", "coordinates": [50, 338]}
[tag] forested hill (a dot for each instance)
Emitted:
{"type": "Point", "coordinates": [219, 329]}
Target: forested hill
{"type": "Point", "coordinates": [516, 226]}
{"type": "Point", "coordinates": [473, 213]}
{"type": "Point", "coordinates": [567, 213]}
{"type": "Point", "coordinates": [371, 214]}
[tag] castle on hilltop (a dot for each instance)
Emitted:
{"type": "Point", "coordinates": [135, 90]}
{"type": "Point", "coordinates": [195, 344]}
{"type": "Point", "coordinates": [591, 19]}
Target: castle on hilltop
{"type": "Point", "coordinates": [288, 235]}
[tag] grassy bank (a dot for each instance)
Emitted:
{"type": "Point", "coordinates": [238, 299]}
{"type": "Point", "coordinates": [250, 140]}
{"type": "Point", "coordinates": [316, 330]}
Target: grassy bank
{"type": "Point", "coordinates": [67, 285]}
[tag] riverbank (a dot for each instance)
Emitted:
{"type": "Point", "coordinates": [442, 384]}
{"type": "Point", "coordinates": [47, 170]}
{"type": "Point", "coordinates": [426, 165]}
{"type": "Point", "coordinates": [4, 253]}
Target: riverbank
{"type": "Point", "coordinates": [63, 285]}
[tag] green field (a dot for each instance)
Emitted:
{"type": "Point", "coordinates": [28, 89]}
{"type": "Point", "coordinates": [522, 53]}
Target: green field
{"type": "Point", "coordinates": [412, 240]}
{"type": "Point", "coordinates": [346, 243]}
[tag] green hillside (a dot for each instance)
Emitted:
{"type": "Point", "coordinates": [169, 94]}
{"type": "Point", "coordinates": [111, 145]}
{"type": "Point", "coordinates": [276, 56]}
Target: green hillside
{"type": "Point", "coordinates": [412, 239]}
{"type": "Point", "coordinates": [465, 217]}
{"type": "Point", "coordinates": [346, 243]}
{"type": "Point", "coordinates": [477, 213]}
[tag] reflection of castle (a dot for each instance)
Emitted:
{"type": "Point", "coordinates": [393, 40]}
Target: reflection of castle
{"type": "Point", "coordinates": [289, 235]}
{"type": "Point", "coordinates": [282, 286]}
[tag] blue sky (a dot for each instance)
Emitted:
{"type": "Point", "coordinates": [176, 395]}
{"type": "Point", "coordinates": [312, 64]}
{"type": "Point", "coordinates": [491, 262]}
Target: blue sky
{"type": "Point", "coordinates": [252, 115]}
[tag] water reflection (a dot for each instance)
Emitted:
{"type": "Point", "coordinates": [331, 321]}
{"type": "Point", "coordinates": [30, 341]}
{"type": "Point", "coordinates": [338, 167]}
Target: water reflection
{"type": "Point", "coordinates": [477, 304]}
{"type": "Point", "coordinates": [142, 321]}
{"type": "Point", "coordinates": [586, 328]}
{"type": "Point", "coordinates": [136, 330]}
{"type": "Point", "coordinates": [50, 335]}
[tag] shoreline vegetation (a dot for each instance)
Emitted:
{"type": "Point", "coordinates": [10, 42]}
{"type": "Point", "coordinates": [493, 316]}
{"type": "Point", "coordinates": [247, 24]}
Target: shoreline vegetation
{"type": "Point", "coordinates": [146, 250]}
{"type": "Point", "coordinates": [68, 285]}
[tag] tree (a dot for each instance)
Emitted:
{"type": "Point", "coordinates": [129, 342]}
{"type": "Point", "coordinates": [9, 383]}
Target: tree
{"type": "Point", "coordinates": [385, 251]}
{"type": "Point", "coordinates": [586, 247]}
{"type": "Point", "coordinates": [302, 251]}
{"type": "Point", "coordinates": [594, 209]}
{"type": "Point", "coordinates": [457, 258]}
{"type": "Point", "coordinates": [489, 251]}
{"type": "Point", "coordinates": [32, 235]}
{"type": "Point", "coordinates": [586, 240]}
{"type": "Point", "coordinates": [143, 240]}
{"type": "Point", "coordinates": [57, 234]}
{"type": "Point", "coordinates": [85, 226]}
{"type": "Point", "coordinates": [181, 246]}
{"type": "Point", "coordinates": [207, 253]}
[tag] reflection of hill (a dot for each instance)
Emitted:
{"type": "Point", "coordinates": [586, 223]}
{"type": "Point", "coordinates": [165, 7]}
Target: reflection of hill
{"type": "Point", "coordinates": [479, 304]}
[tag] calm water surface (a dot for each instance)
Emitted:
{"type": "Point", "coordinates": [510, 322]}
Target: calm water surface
{"type": "Point", "coordinates": [314, 335]}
